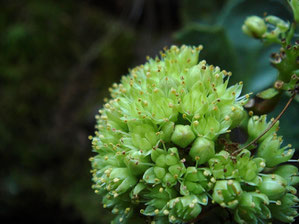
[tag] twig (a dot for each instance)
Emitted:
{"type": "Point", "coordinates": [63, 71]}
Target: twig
{"type": "Point", "coordinates": [270, 126]}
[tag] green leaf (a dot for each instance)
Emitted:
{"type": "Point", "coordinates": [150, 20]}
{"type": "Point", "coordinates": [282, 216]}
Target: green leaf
{"type": "Point", "coordinates": [268, 93]}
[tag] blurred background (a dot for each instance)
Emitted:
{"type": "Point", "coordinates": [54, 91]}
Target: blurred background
{"type": "Point", "coordinates": [57, 60]}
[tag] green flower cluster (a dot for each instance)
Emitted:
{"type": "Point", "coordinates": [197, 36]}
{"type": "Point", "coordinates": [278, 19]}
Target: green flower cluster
{"type": "Point", "coordinates": [257, 27]}
{"type": "Point", "coordinates": [164, 150]}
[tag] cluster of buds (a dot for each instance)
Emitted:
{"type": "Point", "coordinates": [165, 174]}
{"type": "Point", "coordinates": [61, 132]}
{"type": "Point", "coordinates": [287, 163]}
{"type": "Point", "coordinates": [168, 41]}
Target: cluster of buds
{"type": "Point", "coordinates": [159, 154]}
{"type": "Point", "coordinates": [270, 28]}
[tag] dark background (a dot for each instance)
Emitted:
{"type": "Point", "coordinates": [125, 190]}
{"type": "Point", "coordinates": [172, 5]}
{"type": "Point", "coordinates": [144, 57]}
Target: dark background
{"type": "Point", "coordinates": [57, 60]}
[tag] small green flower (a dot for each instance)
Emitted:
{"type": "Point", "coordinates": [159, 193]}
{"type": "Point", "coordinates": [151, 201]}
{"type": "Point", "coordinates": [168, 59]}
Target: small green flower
{"type": "Point", "coordinates": [226, 193]}
{"type": "Point", "coordinates": [252, 207]}
{"type": "Point", "coordinates": [284, 210]}
{"type": "Point", "coordinates": [243, 168]}
{"type": "Point", "coordinates": [143, 135]}
{"type": "Point", "coordinates": [202, 150]}
{"type": "Point", "coordinates": [257, 125]}
{"type": "Point", "coordinates": [288, 172]}
{"type": "Point", "coordinates": [168, 168]}
{"type": "Point", "coordinates": [221, 166]}
{"type": "Point", "coordinates": [183, 208]}
{"type": "Point", "coordinates": [270, 150]}
{"type": "Point", "coordinates": [273, 185]}
{"type": "Point", "coordinates": [197, 181]}
{"type": "Point", "coordinates": [182, 135]}
{"type": "Point", "coordinates": [254, 26]}
{"type": "Point", "coordinates": [158, 197]}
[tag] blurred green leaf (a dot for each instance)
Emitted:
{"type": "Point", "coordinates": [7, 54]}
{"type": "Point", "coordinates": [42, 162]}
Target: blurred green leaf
{"type": "Point", "coordinates": [268, 93]}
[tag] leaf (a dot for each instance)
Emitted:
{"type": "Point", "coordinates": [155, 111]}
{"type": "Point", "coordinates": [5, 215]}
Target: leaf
{"type": "Point", "coordinates": [268, 93]}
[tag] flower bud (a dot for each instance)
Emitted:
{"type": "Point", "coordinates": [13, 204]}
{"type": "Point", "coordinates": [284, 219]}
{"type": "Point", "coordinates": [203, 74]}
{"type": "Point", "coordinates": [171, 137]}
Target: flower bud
{"type": "Point", "coordinates": [202, 150]}
{"type": "Point", "coordinates": [254, 26]}
{"type": "Point", "coordinates": [288, 172]}
{"type": "Point", "coordinates": [136, 190]}
{"type": "Point", "coordinates": [274, 186]}
{"type": "Point", "coordinates": [236, 116]}
{"type": "Point", "coordinates": [166, 131]}
{"type": "Point", "coordinates": [182, 135]}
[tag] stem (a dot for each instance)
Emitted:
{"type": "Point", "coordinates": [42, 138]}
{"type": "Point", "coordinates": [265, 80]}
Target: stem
{"type": "Point", "coordinates": [270, 126]}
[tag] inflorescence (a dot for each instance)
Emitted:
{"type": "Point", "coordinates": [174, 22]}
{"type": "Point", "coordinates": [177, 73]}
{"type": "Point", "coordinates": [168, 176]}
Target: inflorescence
{"type": "Point", "coordinates": [164, 147]}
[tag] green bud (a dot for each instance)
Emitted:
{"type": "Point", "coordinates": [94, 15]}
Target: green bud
{"type": "Point", "coordinates": [202, 150]}
{"type": "Point", "coordinates": [159, 172]}
{"type": "Point", "coordinates": [288, 172]}
{"type": "Point", "coordinates": [182, 135]}
{"type": "Point", "coordinates": [161, 161]}
{"type": "Point", "coordinates": [236, 116]}
{"type": "Point", "coordinates": [226, 193]}
{"type": "Point", "coordinates": [136, 190]}
{"type": "Point", "coordinates": [161, 109]}
{"type": "Point", "coordinates": [254, 26]}
{"type": "Point", "coordinates": [169, 180]}
{"type": "Point", "coordinates": [150, 177]}
{"type": "Point", "coordinates": [166, 131]}
{"type": "Point", "coordinates": [156, 153]}
{"type": "Point", "coordinates": [274, 186]}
